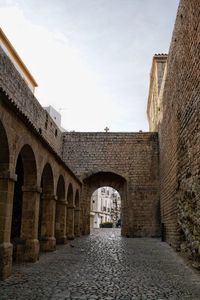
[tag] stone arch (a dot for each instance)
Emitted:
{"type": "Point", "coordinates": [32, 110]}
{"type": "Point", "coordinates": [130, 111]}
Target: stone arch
{"type": "Point", "coordinates": [6, 202]}
{"type": "Point", "coordinates": [47, 180]}
{"type": "Point", "coordinates": [77, 214]}
{"type": "Point", "coordinates": [4, 150]}
{"type": "Point", "coordinates": [46, 226]}
{"type": "Point", "coordinates": [70, 212]}
{"type": "Point", "coordinates": [60, 190]}
{"type": "Point", "coordinates": [95, 181]}
{"type": "Point", "coordinates": [77, 199]}
{"type": "Point", "coordinates": [61, 211]}
{"type": "Point", "coordinates": [25, 204]}
{"type": "Point", "coordinates": [70, 195]}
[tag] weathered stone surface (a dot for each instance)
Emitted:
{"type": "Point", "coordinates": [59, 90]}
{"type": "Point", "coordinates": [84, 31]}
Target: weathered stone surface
{"type": "Point", "coordinates": [5, 260]}
{"type": "Point", "coordinates": [126, 161]}
{"type": "Point", "coordinates": [13, 84]}
{"type": "Point", "coordinates": [103, 266]}
{"type": "Point", "coordinates": [34, 159]}
{"type": "Point", "coordinates": [30, 201]}
{"type": "Point", "coordinates": [178, 125]}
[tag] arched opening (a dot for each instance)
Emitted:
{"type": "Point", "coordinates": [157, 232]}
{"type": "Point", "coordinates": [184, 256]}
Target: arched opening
{"type": "Point", "coordinates": [4, 150]}
{"type": "Point", "coordinates": [77, 214]}
{"type": "Point", "coordinates": [77, 199]}
{"type": "Point", "coordinates": [46, 225]}
{"type": "Point", "coordinates": [17, 204]}
{"type": "Point", "coordinates": [117, 186]}
{"type": "Point", "coordinates": [6, 199]}
{"type": "Point", "coordinates": [70, 212]}
{"type": "Point", "coordinates": [26, 172]}
{"type": "Point", "coordinates": [47, 188]}
{"type": "Point", "coordinates": [60, 218]}
{"type": "Point", "coordinates": [105, 209]}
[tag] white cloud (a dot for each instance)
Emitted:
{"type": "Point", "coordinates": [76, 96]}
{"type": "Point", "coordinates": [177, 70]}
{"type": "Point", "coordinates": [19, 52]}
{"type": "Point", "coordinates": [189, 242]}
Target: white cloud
{"type": "Point", "coordinates": [91, 60]}
{"type": "Point", "coordinates": [64, 80]}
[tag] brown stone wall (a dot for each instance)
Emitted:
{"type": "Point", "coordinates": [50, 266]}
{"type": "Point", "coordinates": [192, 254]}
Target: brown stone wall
{"type": "Point", "coordinates": [15, 87]}
{"type": "Point", "coordinates": [179, 133]}
{"type": "Point", "coordinates": [157, 81]}
{"type": "Point", "coordinates": [133, 157]}
{"type": "Point", "coordinates": [21, 143]}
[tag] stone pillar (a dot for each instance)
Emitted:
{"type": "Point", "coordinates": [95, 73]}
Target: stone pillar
{"type": "Point", "coordinates": [48, 241]}
{"type": "Point", "coordinates": [87, 217]}
{"type": "Point", "coordinates": [77, 222]}
{"type": "Point", "coordinates": [28, 245]}
{"type": "Point", "coordinates": [85, 221]}
{"type": "Point", "coordinates": [60, 223]}
{"type": "Point", "coordinates": [6, 205]}
{"type": "Point", "coordinates": [70, 222]}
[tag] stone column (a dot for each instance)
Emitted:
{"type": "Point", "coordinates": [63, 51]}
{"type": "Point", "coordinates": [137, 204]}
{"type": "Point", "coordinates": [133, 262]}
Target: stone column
{"type": "Point", "coordinates": [7, 182]}
{"type": "Point", "coordinates": [85, 221]}
{"type": "Point", "coordinates": [70, 222]}
{"type": "Point", "coordinates": [60, 223]}
{"type": "Point", "coordinates": [28, 246]}
{"type": "Point", "coordinates": [77, 222]}
{"type": "Point", "coordinates": [48, 241]}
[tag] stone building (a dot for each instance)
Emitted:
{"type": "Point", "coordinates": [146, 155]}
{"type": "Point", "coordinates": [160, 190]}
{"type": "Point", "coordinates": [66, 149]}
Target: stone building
{"type": "Point", "coordinates": [47, 176]}
{"type": "Point", "coordinates": [105, 207]}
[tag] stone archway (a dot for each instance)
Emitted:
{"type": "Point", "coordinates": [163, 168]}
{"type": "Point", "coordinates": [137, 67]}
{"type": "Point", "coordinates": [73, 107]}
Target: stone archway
{"type": "Point", "coordinates": [46, 227]}
{"type": "Point", "coordinates": [61, 212]}
{"type": "Point", "coordinates": [95, 181]}
{"type": "Point", "coordinates": [6, 201]}
{"type": "Point", "coordinates": [25, 207]}
{"type": "Point", "coordinates": [77, 214]}
{"type": "Point", "coordinates": [70, 213]}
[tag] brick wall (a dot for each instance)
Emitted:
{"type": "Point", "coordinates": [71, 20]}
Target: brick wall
{"type": "Point", "coordinates": [19, 93]}
{"type": "Point", "coordinates": [134, 156]}
{"type": "Point", "coordinates": [179, 136]}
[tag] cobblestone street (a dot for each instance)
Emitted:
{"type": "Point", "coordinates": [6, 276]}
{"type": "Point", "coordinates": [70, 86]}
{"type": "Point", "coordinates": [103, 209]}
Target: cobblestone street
{"type": "Point", "coordinates": [105, 266]}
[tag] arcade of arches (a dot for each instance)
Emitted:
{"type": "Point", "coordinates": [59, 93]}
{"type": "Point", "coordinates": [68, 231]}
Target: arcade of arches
{"type": "Point", "coordinates": [39, 196]}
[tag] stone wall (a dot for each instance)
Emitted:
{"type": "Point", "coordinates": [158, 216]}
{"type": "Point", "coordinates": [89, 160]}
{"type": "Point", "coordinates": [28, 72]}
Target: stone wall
{"type": "Point", "coordinates": [133, 157]}
{"type": "Point", "coordinates": [179, 137]}
{"type": "Point", "coordinates": [21, 96]}
{"type": "Point", "coordinates": [156, 88]}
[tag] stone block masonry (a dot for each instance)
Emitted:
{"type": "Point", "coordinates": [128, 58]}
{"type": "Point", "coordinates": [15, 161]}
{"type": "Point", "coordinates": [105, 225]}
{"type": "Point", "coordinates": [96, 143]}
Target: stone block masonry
{"type": "Point", "coordinates": [125, 161]}
{"type": "Point", "coordinates": [21, 96]}
{"type": "Point", "coordinates": [178, 126]}
{"type": "Point", "coordinates": [179, 133]}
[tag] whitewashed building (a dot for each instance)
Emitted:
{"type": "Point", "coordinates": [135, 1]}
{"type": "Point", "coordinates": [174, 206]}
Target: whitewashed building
{"type": "Point", "coordinates": [105, 206]}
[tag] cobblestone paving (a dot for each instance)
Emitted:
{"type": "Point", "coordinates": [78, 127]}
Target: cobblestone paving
{"type": "Point", "coordinates": [105, 266]}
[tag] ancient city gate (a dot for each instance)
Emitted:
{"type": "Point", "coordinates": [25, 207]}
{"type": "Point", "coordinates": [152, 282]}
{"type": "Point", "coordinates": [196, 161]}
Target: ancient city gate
{"type": "Point", "coordinates": [127, 162]}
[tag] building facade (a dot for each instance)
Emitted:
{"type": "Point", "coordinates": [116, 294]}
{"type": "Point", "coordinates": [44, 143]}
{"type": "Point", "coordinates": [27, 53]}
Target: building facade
{"type": "Point", "coordinates": [105, 207]}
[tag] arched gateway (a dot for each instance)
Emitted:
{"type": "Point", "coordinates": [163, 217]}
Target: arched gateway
{"type": "Point", "coordinates": [128, 162]}
{"type": "Point", "coordinates": [93, 182]}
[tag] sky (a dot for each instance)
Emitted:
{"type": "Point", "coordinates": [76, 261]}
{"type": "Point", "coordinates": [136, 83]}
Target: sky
{"type": "Point", "coordinates": [91, 58]}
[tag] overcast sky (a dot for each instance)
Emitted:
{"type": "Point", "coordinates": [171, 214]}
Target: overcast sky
{"type": "Point", "coordinates": [91, 58]}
